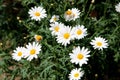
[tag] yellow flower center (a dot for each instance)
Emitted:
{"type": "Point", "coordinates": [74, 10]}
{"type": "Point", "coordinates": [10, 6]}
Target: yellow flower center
{"type": "Point", "coordinates": [66, 35]}
{"type": "Point", "coordinates": [32, 51]}
{"type": "Point", "coordinates": [99, 44]}
{"type": "Point", "coordinates": [79, 32]}
{"type": "Point", "coordinates": [54, 18]}
{"type": "Point", "coordinates": [38, 37]}
{"type": "Point", "coordinates": [69, 12]}
{"type": "Point", "coordinates": [56, 28]}
{"type": "Point", "coordinates": [37, 14]}
{"type": "Point", "coordinates": [80, 56]}
{"type": "Point", "coordinates": [20, 53]}
{"type": "Point", "coordinates": [76, 75]}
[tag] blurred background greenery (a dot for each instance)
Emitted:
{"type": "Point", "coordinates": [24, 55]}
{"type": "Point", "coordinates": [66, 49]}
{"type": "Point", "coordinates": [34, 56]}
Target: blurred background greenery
{"type": "Point", "coordinates": [16, 29]}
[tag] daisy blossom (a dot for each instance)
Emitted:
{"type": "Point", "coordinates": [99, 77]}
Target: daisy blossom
{"type": "Point", "coordinates": [117, 7]}
{"type": "Point", "coordinates": [55, 27]}
{"type": "Point", "coordinates": [65, 35]}
{"type": "Point", "coordinates": [76, 74]}
{"type": "Point", "coordinates": [37, 13]}
{"type": "Point", "coordinates": [79, 55]}
{"type": "Point", "coordinates": [32, 50]}
{"type": "Point", "coordinates": [71, 14]}
{"type": "Point", "coordinates": [99, 43]}
{"type": "Point", "coordinates": [38, 37]}
{"type": "Point", "coordinates": [18, 53]}
{"type": "Point", "coordinates": [54, 18]}
{"type": "Point", "coordinates": [80, 32]}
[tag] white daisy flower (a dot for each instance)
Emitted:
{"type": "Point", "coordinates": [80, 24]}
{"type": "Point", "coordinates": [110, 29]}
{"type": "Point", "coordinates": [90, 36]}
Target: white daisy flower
{"type": "Point", "coordinates": [18, 53]}
{"type": "Point", "coordinates": [55, 27]}
{"type": "Point", "coordinates": [99, 43]}
{"type": "Point", "coordinates": [65, 35]}
{"type": "Point", "coordinates": [71, 14]}
{"type": "Point", "coordinates": [54, 18]}
{"type": "Point", "coordinates": [79, 55]}
{"type": "Point", "coordinates": [37, 13]}
{"type": "Point", "coordinates": [32, 50]}
{"type": "Point", "coordinates": [38, 37]}
{"type": "Point", "coordinates": [80, 32]}
{"type": "Point", "coordinates": [117, 7]}
{"type": "Point", "coordinates": [76, 74]}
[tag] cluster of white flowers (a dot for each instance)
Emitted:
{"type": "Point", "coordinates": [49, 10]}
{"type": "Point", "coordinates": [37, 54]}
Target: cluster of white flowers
{"type": "Point", "coordinates": [64, 35]}
{"type": "Point", "coordinates": [78, 56]}
{"type": "Point", "coordinates": [30, 52]}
